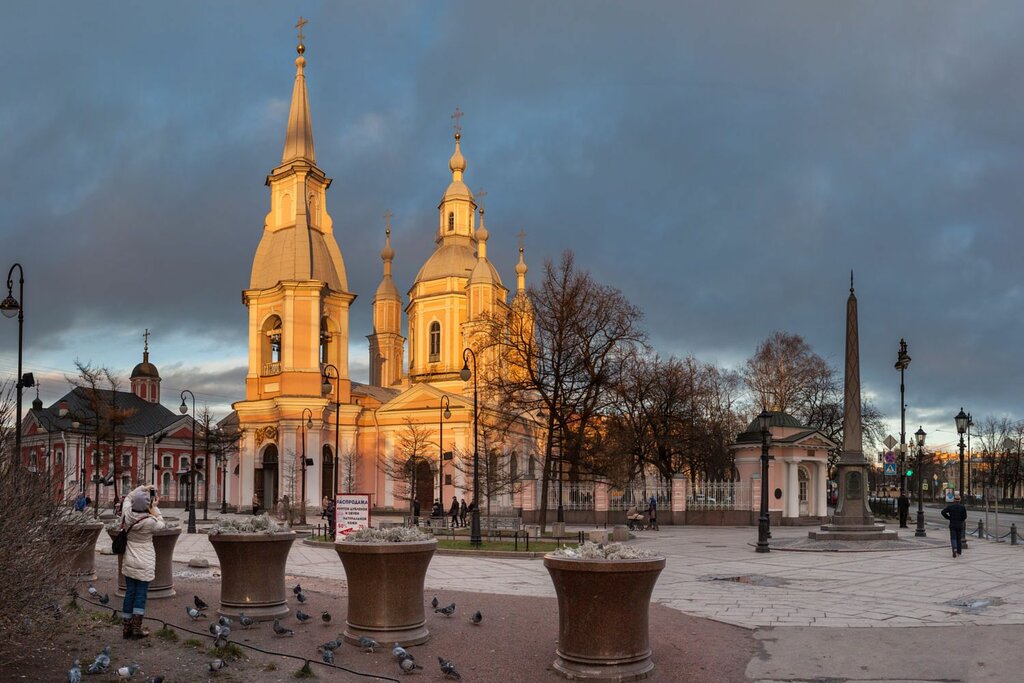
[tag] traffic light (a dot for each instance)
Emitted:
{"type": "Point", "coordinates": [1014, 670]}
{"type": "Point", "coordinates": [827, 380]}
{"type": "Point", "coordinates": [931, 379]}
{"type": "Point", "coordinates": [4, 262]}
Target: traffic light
{"type": "Point", "coordinates": [910, 473]}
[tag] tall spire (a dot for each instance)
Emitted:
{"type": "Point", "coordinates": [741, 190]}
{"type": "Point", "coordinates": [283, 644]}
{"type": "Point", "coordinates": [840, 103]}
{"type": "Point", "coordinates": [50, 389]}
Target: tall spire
{"type": "Point", "coordinates": [387, 253]}
{"type": "Point", "coordinates": [853, 446]}
{"type": "Point", "coordinates": [521, 267]}
{"type": "Point", "coordinates": [298, 142]}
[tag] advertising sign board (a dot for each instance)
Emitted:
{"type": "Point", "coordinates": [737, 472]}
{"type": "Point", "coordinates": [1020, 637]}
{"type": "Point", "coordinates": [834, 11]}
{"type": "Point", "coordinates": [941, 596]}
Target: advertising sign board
{"type": "Point", "coordinates": [351, 513]}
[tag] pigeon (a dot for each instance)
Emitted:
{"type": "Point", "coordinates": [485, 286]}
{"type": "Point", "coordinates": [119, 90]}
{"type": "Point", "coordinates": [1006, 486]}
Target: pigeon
{"type": "Point", "coordinates": [101, 663]}
{"type": "Point", "coordinates": [297, 588]}
{"type": "Point", "coordinates": [224, 621]}
{"type": "Point", "coordinates": [104, 599]}
{"type": "Point", "coordinates": [447, 610]}
{"type": "Point", "coordinates": [325, 617]}
{"type": "Point", "coordinates": [448, 669]}
{"type": "Point", "coordinates": [331, 645]}
{"type": "Point", "coordinates": [245, 621]}
{"type": "Point", "coordinates": [199, 603]}
{"type": "Point", "coordinates": [220, 633]}
{"type": "Point", "coordinates": [399, 652]}
{"type": "Point", "coordinates": [281, 630]}
{"type": "Point", "coordinates": [301, 597]}
{"type": "Point", "coordinates": [302, 617]}
{"type": "Point", "coordinates": [434, 603]}
{"type": "Point", "coordinates": [93, 592]}
{"type": "Point", "coordinates": [216, 665]}
{"type": "Point", "coordinates": [75, 672]}
{"type": "Point", "coordinates": [368, 644]}
{"type": "Point", "coordinates": [408, 665]}
{"type": "Point", "coordinates": [476, 618]}
{"type": "Point", "coordinates": [328, 657]}
{"type": "Point", "coordinates": [193, 612]}
{"type": "Point", "coordinates": [127, 671]}
{"type": "Point", "coordinates": [155, 679]}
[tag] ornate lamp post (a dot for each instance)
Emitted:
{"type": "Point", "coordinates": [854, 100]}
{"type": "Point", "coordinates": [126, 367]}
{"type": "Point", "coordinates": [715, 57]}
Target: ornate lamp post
{"type": "Point", "coordinates": [970, 457]}
{"type": "Point", "coordinates": [764, 421]}
{"type": "Point", "coordinates": [326, 388]}
{"type": "Point", "coordinates": [183, 409]}
{"type": "Point", "coordinates": [961, 419]}
{"type": "Point", "coordinates": [222, 456]}
{"type": "Point", "coordinates": [8, 307]}
{"type": "Point", "coordinates": [902, 361]}
{"type": "Point", "coordinates": [465, 374]}
{"type": "Point", "coordinates": [307, 423]}
{"type": "Point", "coordinates": [919, 531]}
{"type": "Point", "coordinates": [444, 414]}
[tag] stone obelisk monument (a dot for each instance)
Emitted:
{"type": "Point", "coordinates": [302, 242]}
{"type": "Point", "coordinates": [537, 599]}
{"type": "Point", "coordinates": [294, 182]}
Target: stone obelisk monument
{"type": "Point", "coordinates": [852, 520]}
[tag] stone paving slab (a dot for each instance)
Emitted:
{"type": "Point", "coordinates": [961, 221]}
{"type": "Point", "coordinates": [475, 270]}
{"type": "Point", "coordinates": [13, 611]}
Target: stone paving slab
{"type": "Point", "coordinates": [891, 589]}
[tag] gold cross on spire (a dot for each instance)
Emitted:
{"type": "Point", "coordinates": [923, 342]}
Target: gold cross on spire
{"type": "Point", "coordinates": [387, 222]}
{"type": "Point", "coordinates": [480, 194]}
{"type": "Point", "coordinates": [145, 337]}
{"type": "Point", "coordinates": [457, 118]}
{"type": "Point", "coordinates": [521, 236]}
{"type": "Point", "coordinates": [302, 22]}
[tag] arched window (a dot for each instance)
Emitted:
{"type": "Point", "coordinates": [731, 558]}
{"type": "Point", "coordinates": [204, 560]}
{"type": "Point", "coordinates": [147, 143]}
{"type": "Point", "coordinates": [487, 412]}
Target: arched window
{"type": "Point", "coordinates": [325, 341]}
{"type": "Point", "coordinates": [451, 221]}
{"type": "Point", "coordinates": [165, 486]}
{"type": "Point", "coordinates": [435, 342]}
{"type": "Point", "coordinates": [271, 342]}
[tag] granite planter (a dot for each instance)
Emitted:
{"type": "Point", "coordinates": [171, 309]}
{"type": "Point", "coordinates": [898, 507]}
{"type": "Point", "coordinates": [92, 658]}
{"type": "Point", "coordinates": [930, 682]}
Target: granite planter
{"type": "Point", "coordinates": [603, 617]}
{"type": "Point", "coordinates": [162, 586]}
{"type": "Point", "coordinates": [385, 590]}
{"type": "Point", "coordinates": [82, 539]}
{"type": "Point", "coordinates": [252, 573]}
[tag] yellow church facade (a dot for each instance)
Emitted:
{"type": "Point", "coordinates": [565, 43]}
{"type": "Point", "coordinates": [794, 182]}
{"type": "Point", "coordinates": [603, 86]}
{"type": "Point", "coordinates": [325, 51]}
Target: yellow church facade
{"type": "Point", "coordinates": [303, 420]}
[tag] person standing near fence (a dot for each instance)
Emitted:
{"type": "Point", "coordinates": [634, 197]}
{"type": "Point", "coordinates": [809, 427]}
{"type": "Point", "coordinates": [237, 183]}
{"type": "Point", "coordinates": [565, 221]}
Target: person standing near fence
{"type": "Point", "coordinates": [453, 511]}
{"type": "Point", "coordinates": [463, 509]}
{"type": "Point", "coordinates": [903, 505]}
{"type": "Point", "coordinates": [652, 514]}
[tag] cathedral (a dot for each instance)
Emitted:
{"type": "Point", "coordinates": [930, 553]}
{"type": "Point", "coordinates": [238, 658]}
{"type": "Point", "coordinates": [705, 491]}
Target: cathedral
{"type": "Point", "coordinates": [306, 429]}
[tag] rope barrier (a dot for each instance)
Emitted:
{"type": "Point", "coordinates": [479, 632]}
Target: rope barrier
{"type": "Point", "coordinates": [306, 660]}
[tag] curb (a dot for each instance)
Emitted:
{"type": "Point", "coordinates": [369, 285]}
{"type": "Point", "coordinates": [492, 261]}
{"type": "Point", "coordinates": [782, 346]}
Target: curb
{"type": "Point", "coordinates": [498, 554]}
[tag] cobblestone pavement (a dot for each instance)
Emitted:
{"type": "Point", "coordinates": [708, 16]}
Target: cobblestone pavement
{"type": "Point", "coordinates": [713, 572]}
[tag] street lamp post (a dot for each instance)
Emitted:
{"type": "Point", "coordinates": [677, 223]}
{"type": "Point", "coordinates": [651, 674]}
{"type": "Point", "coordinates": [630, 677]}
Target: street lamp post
{"type": "Point", "coordinates": [307, 423]}
{"type": "Point", "coordinates": [961, 419]}
{"type": "Point", "coordinates": [191, 502]}
{"type": "Point", "coordinates": [560, 514]}
{"type": "Point", "coordinates": [445, 412]}
{"type": "Point", "coordinates": [465, 374]}
{"type": "Point", "coordinates": [920, 532]}
{"type": "Point", "coordinates": [326, 387]}
{"type": "Point", "coordinates": [223, 457]}
{"type": "Point", "coordinates": [764, 421]}
{"type": "Point", "coordinates": [970, 481]}
{"type": "Point", "coordinates": [8, 307]}
{"type": "Point", "coordinates": [902, 361]}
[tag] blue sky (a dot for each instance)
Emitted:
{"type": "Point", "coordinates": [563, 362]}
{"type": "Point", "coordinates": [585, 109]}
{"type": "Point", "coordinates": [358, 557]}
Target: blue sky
{"type": "Point", "coordinates": [725, 164]}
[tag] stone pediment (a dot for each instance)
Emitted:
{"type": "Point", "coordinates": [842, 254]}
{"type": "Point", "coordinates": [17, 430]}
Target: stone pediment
{"type": "Point", "coordinates": [421, 397]}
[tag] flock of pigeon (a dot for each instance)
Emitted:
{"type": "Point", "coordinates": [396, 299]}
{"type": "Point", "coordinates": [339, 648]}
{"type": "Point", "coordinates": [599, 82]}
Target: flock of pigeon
{"type": "Point", "coordinates": [221, 631]}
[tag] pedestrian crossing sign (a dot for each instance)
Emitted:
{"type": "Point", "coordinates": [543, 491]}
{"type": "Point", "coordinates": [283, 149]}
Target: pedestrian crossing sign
{"type": "Point", "coordinates": [890, 468]}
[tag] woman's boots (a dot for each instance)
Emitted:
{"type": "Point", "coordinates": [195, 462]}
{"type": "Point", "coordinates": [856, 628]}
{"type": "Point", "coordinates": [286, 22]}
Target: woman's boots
{"type": "Point", "coordinates": [138, 630]}
{"type": "Point", "coordinates": [126, 625]}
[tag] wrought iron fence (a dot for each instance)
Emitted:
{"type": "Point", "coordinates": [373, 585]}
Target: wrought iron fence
{"type": "Point", "coordinates": [718, 495]}
{"type": "Point", "coordinates": [575, 495]}
{"type": "Point", "coordinates": [639, 493]}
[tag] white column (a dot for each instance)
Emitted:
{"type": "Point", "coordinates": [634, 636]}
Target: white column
{"type": "Point", "coordinates": [793, 489]}
{"type": "Point", "coordinates": [821, 489]}
{"type": "Point", "coordinates": [246, 455]}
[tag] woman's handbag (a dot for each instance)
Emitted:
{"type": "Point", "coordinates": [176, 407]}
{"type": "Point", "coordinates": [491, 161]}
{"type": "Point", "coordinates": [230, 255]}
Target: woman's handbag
{"type": "Point", "coordinates": [120, 544]}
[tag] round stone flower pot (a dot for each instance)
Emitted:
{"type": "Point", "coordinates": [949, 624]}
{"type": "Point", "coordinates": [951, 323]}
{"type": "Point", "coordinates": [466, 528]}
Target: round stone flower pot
{"type": "Point", "coordinates": [252, 573]}
{"type": "Point", "coordinates": [603, 617]}
{"type": "Point", "coordinates": [82, 539]}
{"type": "Point", "coordinates": [385, 590]}
{"type": "Point", "coordinates": [162, 586]}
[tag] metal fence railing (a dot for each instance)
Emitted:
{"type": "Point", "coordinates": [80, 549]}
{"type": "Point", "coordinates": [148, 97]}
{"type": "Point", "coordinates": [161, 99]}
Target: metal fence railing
{"type": "Point", "coordinates": [718, 495]}
{"type": "Point", "coordinates": [575, 495]}
{"type": "Point", "coordinates": [639, 494]}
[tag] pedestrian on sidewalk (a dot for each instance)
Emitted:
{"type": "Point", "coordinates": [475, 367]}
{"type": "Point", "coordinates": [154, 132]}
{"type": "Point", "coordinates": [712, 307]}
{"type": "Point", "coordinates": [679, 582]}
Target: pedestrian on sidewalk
{"type": "Point", "coordinates": [903, 505]}
{"type": "Point", "coordinates": [141, 517]}
{"type": "Point", "coordinates": [652, 514]}
{"type": "Point", "coordinates": [255, 503]}
{"type": "Point", "coordinates": [453, 512]}
{"type": "Point", "coordinates": [956, 513]}
{"type": "Point", "coordinates": [463, 509]}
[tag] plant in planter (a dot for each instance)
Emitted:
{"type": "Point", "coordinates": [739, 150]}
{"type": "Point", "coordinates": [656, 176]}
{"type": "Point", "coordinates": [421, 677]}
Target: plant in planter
{"type": "Point", "coordinates": [164, 541]}
{"type": "Point", "coordinates": [603, 584]}
{"type": "Point", "coordinates": [252, 555]}
{"type": "Point", "coordinates": [385, 569]}
{"type": "Point", "coordinates": [82, 531]}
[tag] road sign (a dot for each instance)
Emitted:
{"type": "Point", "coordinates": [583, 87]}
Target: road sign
{"type": "Point", "coordinates": [890, 468]}
{"type": "Point", "coordinates": [924, 486]}
{"type": "Point", "coordinates": [889, 442]}
{"type": "Point", "coordinates": [890, 458]}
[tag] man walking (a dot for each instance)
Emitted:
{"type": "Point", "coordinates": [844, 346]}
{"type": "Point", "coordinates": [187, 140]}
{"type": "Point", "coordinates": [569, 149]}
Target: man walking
{"type": "Point", "coordinates": [903, 505]}
{"type": "Point", "coordinates": [956, 513]}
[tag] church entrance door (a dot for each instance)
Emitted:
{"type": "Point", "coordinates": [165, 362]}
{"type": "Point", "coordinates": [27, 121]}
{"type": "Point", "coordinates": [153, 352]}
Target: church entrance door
{"type": "Point", "coordinates": [425, 488]}
{"type": "Point", "coordinates": [803, 482]}
{"type": "Point", "coordinates": [269, 495]}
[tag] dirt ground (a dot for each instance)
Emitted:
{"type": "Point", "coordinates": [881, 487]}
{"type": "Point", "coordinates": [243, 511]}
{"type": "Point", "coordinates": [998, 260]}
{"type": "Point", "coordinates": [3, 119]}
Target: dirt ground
{"type": "Point", "coordinates": [514, 643]}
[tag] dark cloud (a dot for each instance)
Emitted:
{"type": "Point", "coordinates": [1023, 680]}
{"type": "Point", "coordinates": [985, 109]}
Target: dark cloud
{"type": "Point", "coordinates": [724, 164]}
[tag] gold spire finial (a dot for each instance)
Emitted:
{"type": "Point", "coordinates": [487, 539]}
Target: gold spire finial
{"type": "Point", "coordinates": [145, 337]}
{"type": "Point", "coordinates": [851, 280]}
{"type": "Point", "coordinates": [301, 47]}
{"type": "Point", "coordinates": [387, 223]}
{"type": "Point", "coordinates": [521, 235]}
{"type": "Point", "coordinates": [480, 194]}
{"type": "Point", "coordinates": [387, 253]}
{"type": "Point", "coordinates": [457, 122]}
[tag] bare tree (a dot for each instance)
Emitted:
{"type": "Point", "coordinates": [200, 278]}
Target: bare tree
{"type": "Point", "coordinates": [349, 463]}
{"type": "Point", "coordinates": [496, 474]}
{"type": "Point", "coordinates": [414, 445]}
{"type": "Point", "coordinates": [558, 358]}
{"type": "Point", "coordinates": [784, 372]}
